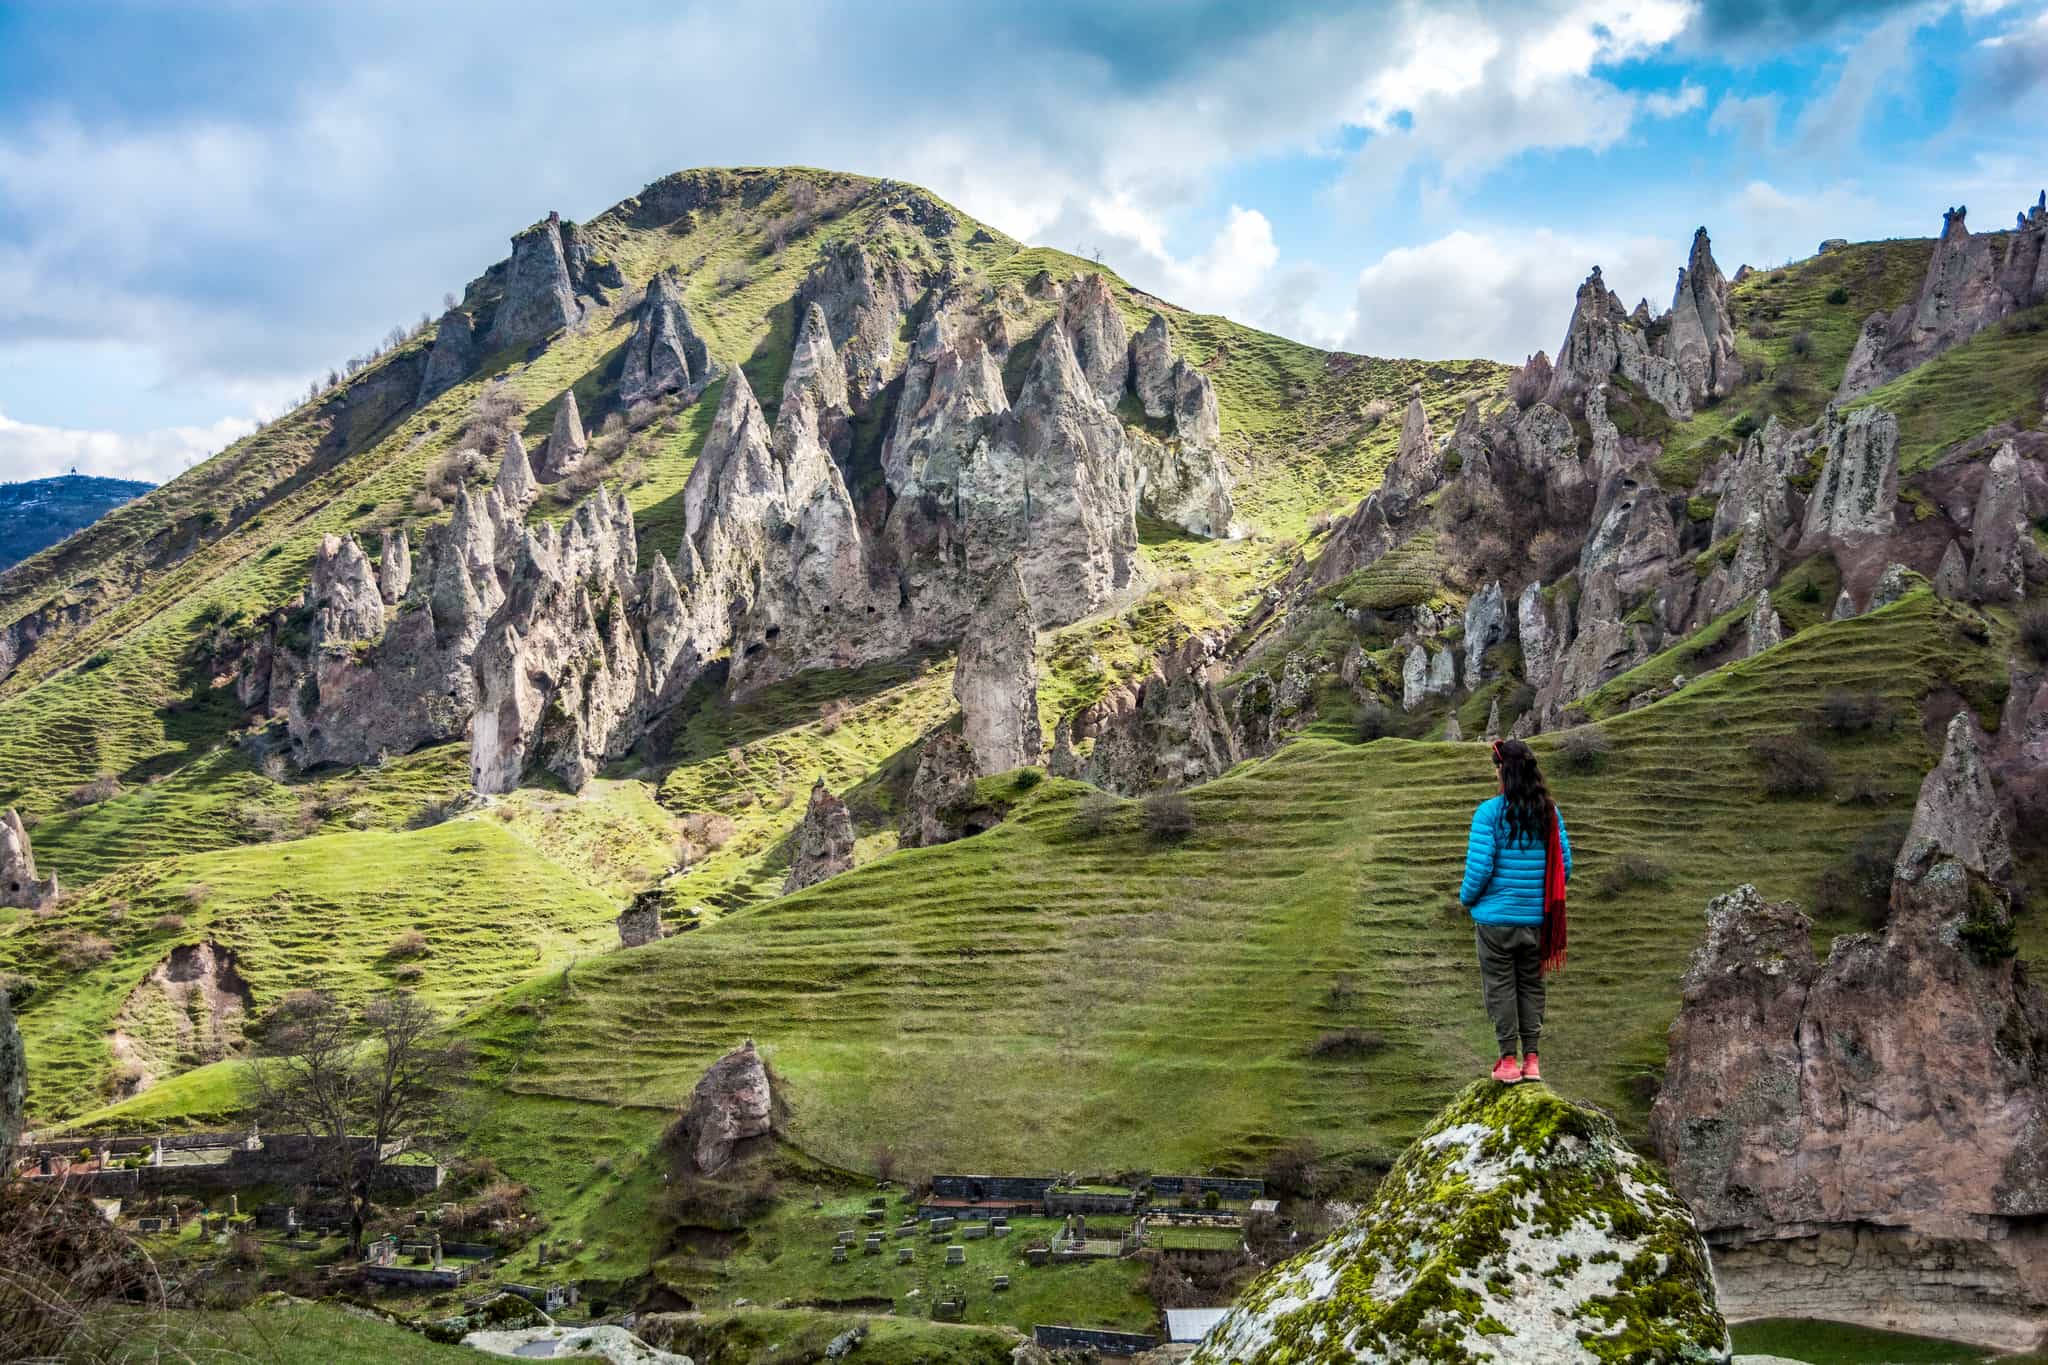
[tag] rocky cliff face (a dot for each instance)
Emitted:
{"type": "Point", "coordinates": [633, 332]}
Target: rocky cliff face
{"type": "Point", "coordinates": [1174, 728]}
{"type": "Point", "coordinates": [733, 1106]}
{"type": "Point", "coordinates": [664, 355]}
{"type": "Point", "coordinates": [1971, 282]}
{"type": "Point", "coordinates": [823, 844]}
{"type": "Point", "coordinates": [1518, 1227]}
{"type": "Point", "coordinates": [538, 298]}
{"type": "Point", "coordinates": [19, 885]}
{"type": "Point", "coordinates": [995, 678]}
{"type": "Point", "coordinates": [1866, 1136]}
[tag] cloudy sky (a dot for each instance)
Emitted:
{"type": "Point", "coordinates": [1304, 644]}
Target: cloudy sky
{"type": "Point", "coordinates": [204, 205]}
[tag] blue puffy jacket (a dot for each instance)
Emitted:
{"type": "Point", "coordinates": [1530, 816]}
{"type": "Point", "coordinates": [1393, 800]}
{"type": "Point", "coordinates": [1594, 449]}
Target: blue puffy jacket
{"type": "Point", "coordinates": [1504, 876]}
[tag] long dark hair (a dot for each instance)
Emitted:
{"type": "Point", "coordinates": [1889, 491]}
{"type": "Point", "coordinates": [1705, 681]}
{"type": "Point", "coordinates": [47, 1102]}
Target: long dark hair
{"type": "Point", "coordinates": [1523, 794]}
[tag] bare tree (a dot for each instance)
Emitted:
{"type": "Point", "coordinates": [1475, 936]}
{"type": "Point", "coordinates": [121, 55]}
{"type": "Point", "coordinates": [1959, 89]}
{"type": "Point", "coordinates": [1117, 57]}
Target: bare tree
{"type": "Point", "coordinates": [355, 1084]}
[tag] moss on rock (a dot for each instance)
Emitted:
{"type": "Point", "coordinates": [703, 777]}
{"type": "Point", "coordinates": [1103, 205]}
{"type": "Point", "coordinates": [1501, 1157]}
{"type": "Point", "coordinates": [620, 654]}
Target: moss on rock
{"type": "Point", "coordinates": [1518, 1227]}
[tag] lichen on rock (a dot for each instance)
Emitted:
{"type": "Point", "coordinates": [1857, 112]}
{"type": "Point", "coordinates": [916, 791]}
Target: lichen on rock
{"type": "Point", "coordinates": [1518, 1228]}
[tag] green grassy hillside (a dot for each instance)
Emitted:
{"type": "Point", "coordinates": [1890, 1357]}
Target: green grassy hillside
{"type": "Point", "coordinates": [1040, 996]}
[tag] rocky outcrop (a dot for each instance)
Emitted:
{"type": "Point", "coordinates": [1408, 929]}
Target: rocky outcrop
{"type": "Point", "coordinates": [1185, 485]}
{"type": "Point", "coordinates": [1427, 674]}
{"type": "Point", "coordinates": [2002, 543]}
{"type": "Point", "coordinates": [1197, 419]}
{"type": "Point", "coordinates": [941, 789]}
{"type": "Point", "coordinates": [1486, 625]}
{"type": "Point", "coordinates": [538, 299]}
{"type": "Point", "coordinates": [394, 565]}
{"type": "Point", "coordinates": [346, 603]}
{"type": "Point", "coordinates": [1699, 339]}
{"type": "Point", "coordinates": [1060, 501]}
{"type": "Point", "coordinates": [1102, 344]}
{"type": "Point", "coordinates": [1417, 468]}
{"type": "Point", "coordinates": [1171, 730]}
{"type": "Point", "coordinates": [864, 296]}
{"type": "Point", "coordinates": [733, 1106]}
{"type": "Point", "coordinates": [1866, 1138]}
{"type": "Point", "coordinates": [1518, 1227]}
{"type": "Point", "coordinates": [566, 445]}
{"type": "Point", "coordinates": [995, 678]}
{"type": "Point", "coordinates": [1152, 368]}
{"type": "Point", "coordinates": [664, 355]}
{"type": "Point", "coordinates": [823, 843]}
{"type": "Point", "coordinates": [1603, 341]}
{"type": "Point", "coordinates": [1359, 540]}
{"type": "Point", "coordinates": [1851, 506]}
{"type": "Point", "coordinates": [452, 357]}
{"type": "Point", "coordinates": [560, 668]}
{"type": "Point", "coordinates": [1952, 576]}
{"type": "Point", "coordinates": [515, 485]}
{"type": "Point", "coordinates": [640, 922]}
{"type": "Point", "coordinates": [1537, 638]}
{"type": "Point", "coordinates": [20, 888]}
{"type": "Point", "coordinates": [1970, 284]}
{"type": "Point", "coordinates": [1764, 630]}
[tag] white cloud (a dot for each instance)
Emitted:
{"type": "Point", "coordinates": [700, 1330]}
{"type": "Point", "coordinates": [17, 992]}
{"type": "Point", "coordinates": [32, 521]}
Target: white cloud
{"type": "Point", "coordinates": [1494, 292]}
{"type": "Point", "coordinates": [1753, 119]}
{"type": "Point", "coordinates": [1670, 104]}
{"type": "Point", "coordinates": [28, 451]}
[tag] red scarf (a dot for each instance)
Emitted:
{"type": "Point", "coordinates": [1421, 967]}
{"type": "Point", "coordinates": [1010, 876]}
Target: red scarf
{"type": "Point", "coordinates": [1550, 940]}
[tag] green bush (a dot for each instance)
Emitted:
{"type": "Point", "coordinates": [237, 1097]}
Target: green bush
{"type": "Point", "coordinates": [1838, 295]}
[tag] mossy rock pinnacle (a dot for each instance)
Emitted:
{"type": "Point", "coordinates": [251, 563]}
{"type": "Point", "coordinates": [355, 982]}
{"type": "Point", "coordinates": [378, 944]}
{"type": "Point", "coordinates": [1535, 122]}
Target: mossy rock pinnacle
{"type": "Point", "coordinates": [1518, 1228]}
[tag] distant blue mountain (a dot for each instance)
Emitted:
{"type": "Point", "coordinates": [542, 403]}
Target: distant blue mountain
{"type": "Point", "coordinates": [40, 512]}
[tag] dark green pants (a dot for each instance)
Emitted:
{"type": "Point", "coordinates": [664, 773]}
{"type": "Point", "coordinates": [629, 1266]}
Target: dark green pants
{"type": "Point", "coordinates": [1511, 976]}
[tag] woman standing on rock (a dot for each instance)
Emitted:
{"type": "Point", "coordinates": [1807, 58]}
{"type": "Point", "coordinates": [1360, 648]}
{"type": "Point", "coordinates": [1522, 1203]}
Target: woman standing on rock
{"type": "Point", "coordinates": [1517, 861]}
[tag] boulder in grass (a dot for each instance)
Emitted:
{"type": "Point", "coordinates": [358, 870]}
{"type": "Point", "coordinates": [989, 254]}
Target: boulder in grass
{"type": "Point", "coordinates": [1519, 1227]}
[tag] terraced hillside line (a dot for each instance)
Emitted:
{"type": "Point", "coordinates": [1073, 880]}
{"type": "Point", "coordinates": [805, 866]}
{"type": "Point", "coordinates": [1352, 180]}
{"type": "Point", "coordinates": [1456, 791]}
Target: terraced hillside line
{"type": "Point", "coordinates": [332, 912]}
{"type": "Point", "coordinates": [1038, 996]}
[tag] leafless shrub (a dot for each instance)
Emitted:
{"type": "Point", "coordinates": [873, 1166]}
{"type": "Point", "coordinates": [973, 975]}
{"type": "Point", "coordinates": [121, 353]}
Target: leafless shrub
{"type": "Point", "coordinates": [169, 924]}
{"type": "Point", "coordinates": [1094, 813]}
{"type": "Point", "coordinates": [79, 950]}
{"type": "Point", "coordinates": [63, 1267]}
{"type": "Point", "coordinates": [1295, 1168]}
{"type": "Point", "coordinates": [196, 893]}
{"type": "Point", "coordinates": [834, 715]}
{"type": "Point", "coordinates": [1861, 883]}
{"type": "Point", "coordinates": [1168, 817]}
{"type": "Point", "coordinates": [1585, 747]}
{"type": "Point", "coordinates": [1551, 551]}
{"type": "Point", "coordinates": [642, 414]}
{"type": "Point", "coordinates": [1792, 765]}
{"type": "Point", "coordinates": [2034, 633]}
{"type": "Point", "coordinates": [411, 943]}
{"type": "Point", "coordinates": [103, 787]}
{"type": "Point", "coordinates": [730, 277]}
{"type": "Point", "coordinates": [1346, 1042]}
{"type": "Point", "coordinates": [1847, 713]}
{"type": "Point", "coordinates": [1631, 870]}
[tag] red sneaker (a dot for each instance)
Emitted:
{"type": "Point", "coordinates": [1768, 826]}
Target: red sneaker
{"type": "Point", "coordinates": [1507, 1070]}
{"type": "Point", "coordinates": [1532, 1070]}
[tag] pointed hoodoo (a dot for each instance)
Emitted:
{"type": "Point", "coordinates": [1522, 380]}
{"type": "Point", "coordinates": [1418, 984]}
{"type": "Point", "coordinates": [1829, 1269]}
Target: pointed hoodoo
{"type": "Point", "coordinates": [1602, 340]}
{"type": "Point", "coordinates": [344, 596]}
{"type": "Point", "coordinates": [2002, 543]}
{"type": "Point", "coordinates": [567, 443]}
{"type": "Point", "coordinates": [1102, 344]}
{"type": "Point", "coordinates": [539, 299]}
{"type": "Point", "coordinates": [1152, 368]}
{"type": "Point", "coordinates": [1859, 481]}
{"type": "Point", "coordinates": [394, 565]}
{"type": "Point", "coordinates": [1958, 816]}
{"type": "Point", "coordinates": [1486, 625]}
{"type": "Point", "coordinates": [1700, 340]}
{"type": "Point", "coordinates": [823, 843]}
{"type": "Point", "coordinates": [515, 484]}
{"type": "Point", "coordinates": [665, 354]}
{"type": "Point", "coordinates": [454, 354]}
{"type": "Point", "coordinates": [1765, 630]}
{"type": "Point", "coordinates": [1418, 467]}
{"type": "Point", "coordinates": [996, 678]}
{"type": "Point", "coordinates": [19, 885]}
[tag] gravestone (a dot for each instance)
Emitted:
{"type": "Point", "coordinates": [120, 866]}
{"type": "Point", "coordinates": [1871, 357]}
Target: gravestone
{"type": "Point", "coordinates": [1000, 1283]}
{"type": "Point", "coordinates": [905, 1255]}
{"type": "Point", "coordinates": [956, 1255]}
{"type": "Point", "coordinates": [839, 1253]}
